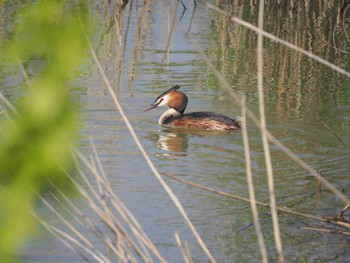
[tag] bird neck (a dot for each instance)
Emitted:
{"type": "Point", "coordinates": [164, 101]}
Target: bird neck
{"type": "Point", "coordinates": [168, 116]}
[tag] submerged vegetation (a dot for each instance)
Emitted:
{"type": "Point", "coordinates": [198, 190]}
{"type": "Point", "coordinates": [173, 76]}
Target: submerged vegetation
{"type": "Point", "coordinates": [46, 42]}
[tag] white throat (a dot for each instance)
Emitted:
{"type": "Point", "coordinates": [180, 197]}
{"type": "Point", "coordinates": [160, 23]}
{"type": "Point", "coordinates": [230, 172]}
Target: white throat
{"type": "Point", "coordinates": [167, 116]}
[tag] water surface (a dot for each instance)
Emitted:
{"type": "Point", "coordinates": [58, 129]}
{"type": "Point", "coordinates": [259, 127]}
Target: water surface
{"type": "Point", "coordinates": [151, 54]}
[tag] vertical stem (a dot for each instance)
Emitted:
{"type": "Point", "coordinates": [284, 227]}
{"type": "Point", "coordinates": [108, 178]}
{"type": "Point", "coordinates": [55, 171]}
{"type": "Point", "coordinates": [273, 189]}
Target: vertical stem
{"type": "Point", "coordinates": [268, 162]}
{"type": "Point", "coordinates": [251, 184]}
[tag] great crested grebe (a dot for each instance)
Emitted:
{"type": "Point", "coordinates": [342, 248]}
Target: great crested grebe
{"type": "Point", "coordinates": [175, 116]}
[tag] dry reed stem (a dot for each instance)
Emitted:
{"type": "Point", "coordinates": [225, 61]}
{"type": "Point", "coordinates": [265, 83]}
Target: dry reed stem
{"type": "Point", "coordinates": [332, 231]}
{"type": "Point", "coordinates": [125, 213]}
{"type": "Point", "coordinates": [252, 116]}
{"type": "Point", "coordinates": [268, 161]}
{"type": "Point", "coordinates": [253, 206]}
{"type": "Point", "coordinates": [331, 130]}
{"type": "Point", "coordinates": [6, 101]}
{"type": "Point", "coordinates": [108, 217]}
{"type": "Point", "coordinates": [244, 199]}
{"type": "Point", "coordinates": [69, 241]}
{"type": "Point", "coordinates": [344, 209]}
{"type": "Point", "coordinates": [120, 232]}
{"type": "Point", "coordinates": [81, 218]}
{"type": "Point", "coordinates": [8, 104]}
{"type": "Point", "coordinates": [146, 157]}
{"type": "Point", "coordinates": [81, 242]}
{"type": "Point", "coordinates": [139, 29]}
{"type": "Point", "coordinates": [115, 227]}
{"type": "Point", "coordinates": [170, 32]}
{"type": "Point", "coordinates": [81, 237]}
{"type": "Point", "coordinates": [186, 256]}
{"type": "Point", "coordinates": [97, 255]}
{"type": "Point", "coordinates": [276, 39]}
{"type": "Point", "coordinates": [62, 236]}
{"type": "Point", "coordinates": [344, 19]}
{"type": "Point", "coordinates": [101, 177]}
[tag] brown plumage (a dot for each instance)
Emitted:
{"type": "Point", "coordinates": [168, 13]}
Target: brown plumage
{"type": "Point", "coordinates": [203, 120]}
{"type": "Point", "coordinates": [175, 116]}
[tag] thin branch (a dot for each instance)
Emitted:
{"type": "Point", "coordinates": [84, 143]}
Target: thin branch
{"type": "Point", "coordinates": [123, 211]}
{"type": "Point", "coordinates": [170, 34]}
{"type": "Point", "coordinates": [331, 130]}
{"type": "Point", "coordinates": [268, 161]}
{"type": "Point", "coordinates": [344, 210]}
{"type": "Point", "coordinates": [251, 185]}
{"type": "Point", "coordinates": [62, 236]}
{"type": "Point", "coordinates": [106, 214]}
{"type": "Point", "coordinates": [74, 230]}
{"type": "Point", "coordinates": [244, 199]}
{"type": "Point", "coordinates": [8, 104]}
{"type": "Point", "coordinates": [332, 231]}
{"type": "Point", "coordinates": [187, 258]}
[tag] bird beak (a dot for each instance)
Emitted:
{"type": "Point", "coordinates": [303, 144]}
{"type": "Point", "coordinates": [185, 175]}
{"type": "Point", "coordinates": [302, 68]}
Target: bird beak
{"type": "Point", "coordinates": [150, 107]}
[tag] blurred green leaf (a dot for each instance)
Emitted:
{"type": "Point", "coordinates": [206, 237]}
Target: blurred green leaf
{"type": "Point", "coordinates": [35, 147]}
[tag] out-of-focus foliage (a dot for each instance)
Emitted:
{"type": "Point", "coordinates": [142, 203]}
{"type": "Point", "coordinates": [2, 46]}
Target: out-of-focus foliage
{"type": "Point", "coordinates": [35, 145]}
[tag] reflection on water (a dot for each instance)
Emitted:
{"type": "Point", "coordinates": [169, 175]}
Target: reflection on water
{"type": "Point", "coordinates": [172, 143]}
{"type": "Point", "coordinates": [143, 52]}
{"type": "Point", "coordinates": [294, 84]}
{"type": "Point", "coordinates": [175, 141]}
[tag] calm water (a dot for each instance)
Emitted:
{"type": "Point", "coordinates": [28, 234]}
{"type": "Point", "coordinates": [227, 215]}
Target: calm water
{"type": "Point", "coordinates": [144, 61]}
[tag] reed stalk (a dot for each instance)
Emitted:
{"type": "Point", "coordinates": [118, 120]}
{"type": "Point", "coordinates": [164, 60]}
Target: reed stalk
{"type": "Point", "coordinates": [8, 104]}
{"type": "Point", "coordinates": [65, 237]}
{"type": "Point", "coordinates": [183, 249]}
{"type": "Point", "coordinates": [111, 220]}
{"type": "Point", "coordinates": [268, 162]}
{"type": "Point", "coordinates": [253, 205]}
{"type": "Point", "coordinates": [244, 199]}
{"type": "Point", "coordinates": [278, 40]}
{"type": "Point", "coordinates": [170, 32]}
